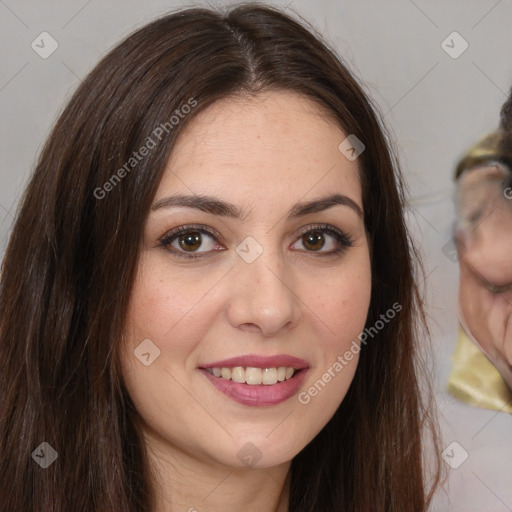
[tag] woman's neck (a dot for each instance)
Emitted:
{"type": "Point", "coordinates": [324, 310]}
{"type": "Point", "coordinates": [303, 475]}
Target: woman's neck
{"type": "Point", "coordinates": [185, 483]}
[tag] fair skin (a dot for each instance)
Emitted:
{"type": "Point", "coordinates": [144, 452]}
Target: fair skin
{"type": "Point", "coordinates": [263, 154]}
{"type": "Point", "coordinates": [485, 259]}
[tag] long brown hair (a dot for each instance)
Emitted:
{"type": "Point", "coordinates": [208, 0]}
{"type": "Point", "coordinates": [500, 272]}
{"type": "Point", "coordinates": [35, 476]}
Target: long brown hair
{"type": "Point", "coordinates": [69, 267]}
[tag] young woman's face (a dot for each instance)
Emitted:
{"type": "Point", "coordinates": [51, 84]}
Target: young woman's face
{"type": "Point", "coordinates": [269, 272]}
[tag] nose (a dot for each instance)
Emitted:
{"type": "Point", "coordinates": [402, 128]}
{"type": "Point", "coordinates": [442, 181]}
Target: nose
{"type": "Point", "coordinates": [462, 238]}
{"type": "Point", "coordinates": [262, 296]}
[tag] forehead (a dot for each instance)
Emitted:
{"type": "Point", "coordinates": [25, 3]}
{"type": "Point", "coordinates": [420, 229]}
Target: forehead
{"type": "Point", "coordinates": [278, 142]}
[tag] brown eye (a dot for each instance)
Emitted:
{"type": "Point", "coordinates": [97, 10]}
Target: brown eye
{"type": "Point", "coordinates": [313, 240]}
{"type": "Point", "coordinates": [190, 241]}
{"type": "Point", "coordinates": [324, 239]}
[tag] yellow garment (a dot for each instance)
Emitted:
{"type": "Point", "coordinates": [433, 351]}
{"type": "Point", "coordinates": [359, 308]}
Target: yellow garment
{"type": "Point", "coordinates": [475, 380]}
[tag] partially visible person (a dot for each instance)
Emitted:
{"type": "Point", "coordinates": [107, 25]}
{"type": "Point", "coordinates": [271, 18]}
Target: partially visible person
{"type": "Point", "coordinates": [482, 371]}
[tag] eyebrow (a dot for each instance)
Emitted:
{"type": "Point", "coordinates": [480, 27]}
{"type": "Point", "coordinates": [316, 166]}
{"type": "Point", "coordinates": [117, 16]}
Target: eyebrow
{"type": "Point", "coordinates": [215, 206]}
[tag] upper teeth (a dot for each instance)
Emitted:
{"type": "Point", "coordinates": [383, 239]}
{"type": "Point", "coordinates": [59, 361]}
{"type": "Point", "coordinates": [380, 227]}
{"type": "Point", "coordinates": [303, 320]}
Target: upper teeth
{"type": "Point", "coordinates": [252, 375]}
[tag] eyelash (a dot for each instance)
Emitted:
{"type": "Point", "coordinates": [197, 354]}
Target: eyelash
{"type": "Point", "coordinates": [343, 239]}
{"type": "Point", "coordinates": [497, 290]}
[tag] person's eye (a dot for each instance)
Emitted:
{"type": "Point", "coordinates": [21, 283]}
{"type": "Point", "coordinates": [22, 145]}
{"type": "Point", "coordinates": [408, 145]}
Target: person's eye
{"type": "Point", "coordinates": [498, 290]}
{"type": "Point", "coordinates": [324, 239]}
{"type": "Point", "coordinates": [495, 289]}
{"type": "Point", "coordinates": [190, 241]}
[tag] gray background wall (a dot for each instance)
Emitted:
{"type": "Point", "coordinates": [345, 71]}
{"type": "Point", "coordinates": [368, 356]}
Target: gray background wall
{"type": "Point", "coordinates": [435, 105]}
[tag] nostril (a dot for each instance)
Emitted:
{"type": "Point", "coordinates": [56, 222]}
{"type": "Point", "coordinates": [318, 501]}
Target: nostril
{"type": "Point", "coordinates": [250, 327]}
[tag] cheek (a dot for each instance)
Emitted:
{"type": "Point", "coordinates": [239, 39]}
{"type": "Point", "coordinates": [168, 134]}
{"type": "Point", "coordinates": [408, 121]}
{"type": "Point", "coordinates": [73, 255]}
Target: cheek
{"type": "Point", "coordinates": [170, 310]}
{"type": "Point", "coordinates": [162, 303]}
{"type": "Point", "coordinates": [343, 306]}
{"type": "Point", "coordinates": [338, 317]}
{"type": "Point", "coordinates": [337, 355]}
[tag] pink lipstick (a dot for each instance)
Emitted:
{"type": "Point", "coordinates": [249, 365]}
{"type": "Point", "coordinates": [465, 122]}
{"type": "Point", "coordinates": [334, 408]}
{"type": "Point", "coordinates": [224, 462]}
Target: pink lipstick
{"type": "Point", "coordinates": [250, 368]}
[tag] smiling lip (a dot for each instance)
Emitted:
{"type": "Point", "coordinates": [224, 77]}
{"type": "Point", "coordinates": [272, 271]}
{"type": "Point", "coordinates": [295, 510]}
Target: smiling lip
{"type": "Point", "coordinates": [259, 395]}
{"type": "Point", "coordinates": [260, 362]}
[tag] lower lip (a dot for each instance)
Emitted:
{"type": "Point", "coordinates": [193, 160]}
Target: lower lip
{"type": "Point", "coordinates": [260, 394]}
